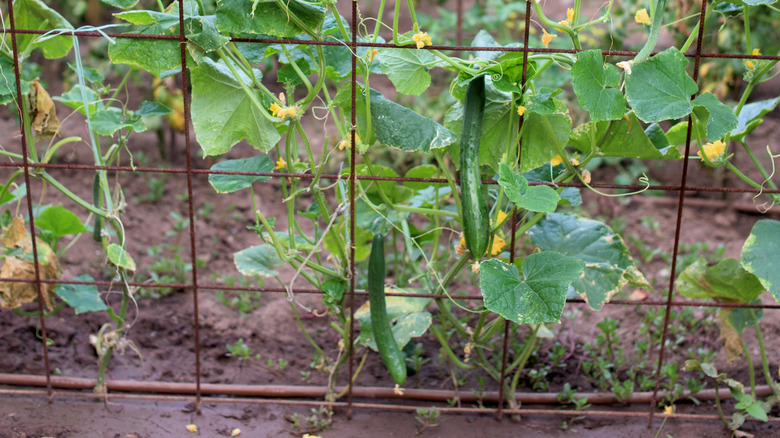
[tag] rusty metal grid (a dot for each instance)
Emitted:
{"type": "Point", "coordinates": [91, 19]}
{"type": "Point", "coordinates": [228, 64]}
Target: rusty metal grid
{"type": "Point", "coordinates": [138, 392]}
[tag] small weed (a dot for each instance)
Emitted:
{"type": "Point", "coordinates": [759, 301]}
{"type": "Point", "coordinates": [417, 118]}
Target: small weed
{"type": "Point", "coordinates": [427, 418]}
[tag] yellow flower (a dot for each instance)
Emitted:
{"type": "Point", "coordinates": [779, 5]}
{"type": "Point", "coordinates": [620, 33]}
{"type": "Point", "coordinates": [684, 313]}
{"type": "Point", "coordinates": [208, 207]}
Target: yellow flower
{"type": "Point", "coordinates": [510, 24]}
{"type": "Point", "coordinates": [556, 160]}
{"type": "Point", "coordinates": [372, 55]}
{"type": "Point", "coordinates": [626, 65]}
{"type": "Point", "coordinates": [192, 428]}
{"type": "Point", "coordinates": [564, 23]}
{"type": "Point", "coordinates": [306, 435]}
{"type": "Point", "coordinates": [575, 161]}
{"type": "Point", "coordinates": [750, 65]}
{"type": "Point", "coordinates": [343, 144]}
{"type": "Point", "coordinates": [475, 267]}
{"type": "Point", "coordinates": [422, 39]}
{"type": "Point", "coordinates": [275, 109]}
{"type": "Point", "coordinates": [520, 110]}
{"type": "Point", "coordinates": [642, 17]}
{"type": "Point", "coordinates": [461, 248]}
{"type": "Point", "coordinates": [501, 216]}
{"type": "Point", "coordinates": [546, 38]}
{"type": "Point", "coordinates": [570, 15]}
{"type": "Point", "coordinates": [280, 164]}
{"type": "Point", "coordinates": [669, 410]}
{"type": "Point", "coordinates": [398, 390]}
{"type": "Point", "coordinates": [282, 98]}
{"type": "Point", "coordinates": [235, 432]}
{"type": "Point", "coordinates": [498, 245]}
{"type": "Point", "coordinates": [756, 52]}
{"type": "Point", "coordinates": [467, 349]}
{"type": "Point", "coordinates": [713, 150]}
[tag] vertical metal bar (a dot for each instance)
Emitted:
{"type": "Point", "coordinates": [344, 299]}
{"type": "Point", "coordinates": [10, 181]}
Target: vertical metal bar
{"type": "Point", "coordinates": [26, 164]}
{"type": "Point", "coordinates": [352, 178]}
{"type": "Point", "coordinates": [190, 201]}
{"type": "Point", "coordinates": [680, 206]}
{"type": "Point", "coordinates": [512, 244]}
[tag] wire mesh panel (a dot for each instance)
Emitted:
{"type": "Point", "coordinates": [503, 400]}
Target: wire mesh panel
{"type": "Point", "coordinates": [371, 129]}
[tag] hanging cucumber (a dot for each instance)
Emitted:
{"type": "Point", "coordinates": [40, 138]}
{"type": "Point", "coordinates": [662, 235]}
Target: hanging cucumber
{"type": "Point", "coordinates": [383, 333]}
{"type": "Point", "coordinates": [476, 222]}
{"type": "Point", "coordinates": [97, 228]}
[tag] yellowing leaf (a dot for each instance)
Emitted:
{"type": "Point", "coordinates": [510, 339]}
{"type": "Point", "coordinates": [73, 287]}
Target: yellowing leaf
{"type": "Point", "coordinates": [45, 123]}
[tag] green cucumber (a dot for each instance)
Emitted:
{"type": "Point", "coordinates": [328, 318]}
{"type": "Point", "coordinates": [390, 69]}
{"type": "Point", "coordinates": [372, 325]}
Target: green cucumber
{"type": "Point", "coordinates": [383, 333]}
{"type": "Point", "coordinates": [476, 219]}
{"type": "Point", "coordinates": [97, 228]}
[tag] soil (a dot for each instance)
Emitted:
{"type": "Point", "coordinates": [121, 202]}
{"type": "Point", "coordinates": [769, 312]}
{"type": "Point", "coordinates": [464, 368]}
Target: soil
{"type": "Point", "coordinates": [163, 334]}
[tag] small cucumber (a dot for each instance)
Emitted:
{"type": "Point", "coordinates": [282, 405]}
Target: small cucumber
{"type": "Point", "coordinates": [383, 333]}
{"type": "Point", "coordinates": [476, 222]}
{"type": "Point", "coordinates": [97, 228]}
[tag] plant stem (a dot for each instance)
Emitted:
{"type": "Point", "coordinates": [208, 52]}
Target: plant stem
{"type": "Point", "coordinates": [448, 351]}
{"type": "Point", "coordinates": [764, 363]}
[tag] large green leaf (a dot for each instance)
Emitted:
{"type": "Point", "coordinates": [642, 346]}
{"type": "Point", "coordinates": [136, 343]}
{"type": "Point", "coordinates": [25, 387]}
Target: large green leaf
{"type": "Point", "coordinates": [268, 18]}
{"type": "Point", "coordinates": [231, 183]}
{"type": "Point", "coordinates": [622, 138]}
{"type": "Point", "coordinates": [658, 88]}
{"type": "Point", "coordinates": [538, 131]}
{"type": "Point", "coordinates": [534, 298]}
{"type": "Point", "coordinates": [36, 15]}
{"type": "Point", "coordinates": [499, 126]}
{"type": "Point", "coordinates": [751, 116]}
{"type": "Point", "coordinates": [727, 280]}
{"type": "Point", "coordinates": [539, 198]}
{"type": "Point", "coordinates": [407, 69]}
{"type": "Point", "coordinates": [223, 114]}
{"type": "Point", "coordinates": [607, 260]}
{"type": "Point", "coordinates": [407, 316]}
{"type": "Point", "coordinates": [260, 260]}
{"type": "Point", "coordinates": [717, 117]}
{"type": "Point", "coordinates": [596, 86]}
{"type": "Point", "coordinates": [60, 221]}
{"type": "Point", "coordinates": [399, 127]}
{"type": "Point", "coordinates": [761, 254]}
{"type": "Point", "coordinates": [82, 297]}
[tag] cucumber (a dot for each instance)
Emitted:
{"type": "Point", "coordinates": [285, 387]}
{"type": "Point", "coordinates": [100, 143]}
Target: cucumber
{"type": "Point", "coordinates": [383, 333]}
{"type": "Point", "coordinates": [476, 222]}
{"type": "Point", "coordinates": [97, 228]}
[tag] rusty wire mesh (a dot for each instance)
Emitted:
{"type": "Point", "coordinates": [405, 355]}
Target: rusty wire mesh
{"type": "Point", "coordinates": [145, 390]}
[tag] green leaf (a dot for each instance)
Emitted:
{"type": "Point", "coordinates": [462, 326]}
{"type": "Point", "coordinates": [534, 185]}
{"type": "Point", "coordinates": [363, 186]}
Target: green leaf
{"type": "Point", "coordinates": [148, 109]}
{"type": "Point", "coordinates": [109, 120]}
{"type": "Point", "coordinates": [726, 280]}
{"type": "Point", "coordinates": [232, 183]}
{"type": "Point", "coordinates": [260, 260]}
{"type": "Point", "coordinates": [8, 81]}
{"type": "Point", "coordinates": [507, 75]}
{"type": "Point", "coordinates": [407, 315]}
{"type": "Point", "coordinates": [718, 118]}
{"type": "Point", "coordinates": [151, 55]}
{"type": "Point", "coordinates": [82, 297]}
{"type": "Point", "coordinates": [750, 117]}
{"type": "Point", "coordinates": [535, 299]}
{"type": "Point", "coordinates": [35, 14]}
{"type": "Point", "coordinates": [287, 74]}
{"type": "Point", "coordinates": [606, 257]}
{"type": "Point", "coordinates": [407, 69]}
{"type": "Point", "coordinates": [223, 114]}
{"type": "Point", "coordinates": [539, 198]}
{"type": "Point", "coordinates": [596, 86]}
{"type": "Point", "coordinates": [625, 138]}
{"type": "Point", "coordinates": [761, 254]}
{"type": "Point", "coordinates": [399, 127]}
{"type": "Point", "coordinates": [538, 131]}
{"type": "Point", "coordinates": [421, 171]}
{"type": "Point", "coordinates": [752, 2]}
{"type": "Point", "coordinates": [658, 88]}
{"type": "Point", "coordinates": [72, 99]}
{"type": "Point", "coordinates": [60, 221]}
{"type": "Point", "coordinates": [122, 4]}
{"type": "Point", "coordinates": [268, 18]}
{"type": "Point", "coordinates": [119, 257]}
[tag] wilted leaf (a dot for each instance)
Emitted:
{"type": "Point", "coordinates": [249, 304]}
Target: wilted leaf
{"type": "Point", "coordinates": [45, 123]}
{"type": "Point", "coordinates": [119, 257]}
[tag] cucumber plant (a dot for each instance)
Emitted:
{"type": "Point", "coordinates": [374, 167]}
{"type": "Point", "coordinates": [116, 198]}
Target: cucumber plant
{"type": "Point", "coordinates": [507, 121]}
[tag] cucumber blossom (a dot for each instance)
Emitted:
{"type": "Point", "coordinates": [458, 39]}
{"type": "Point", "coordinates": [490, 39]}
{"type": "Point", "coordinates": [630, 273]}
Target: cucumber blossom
{"type": "Point", "coordinates": [476, 220]}
{"type": "Point", "coordinates": [380, 324]}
